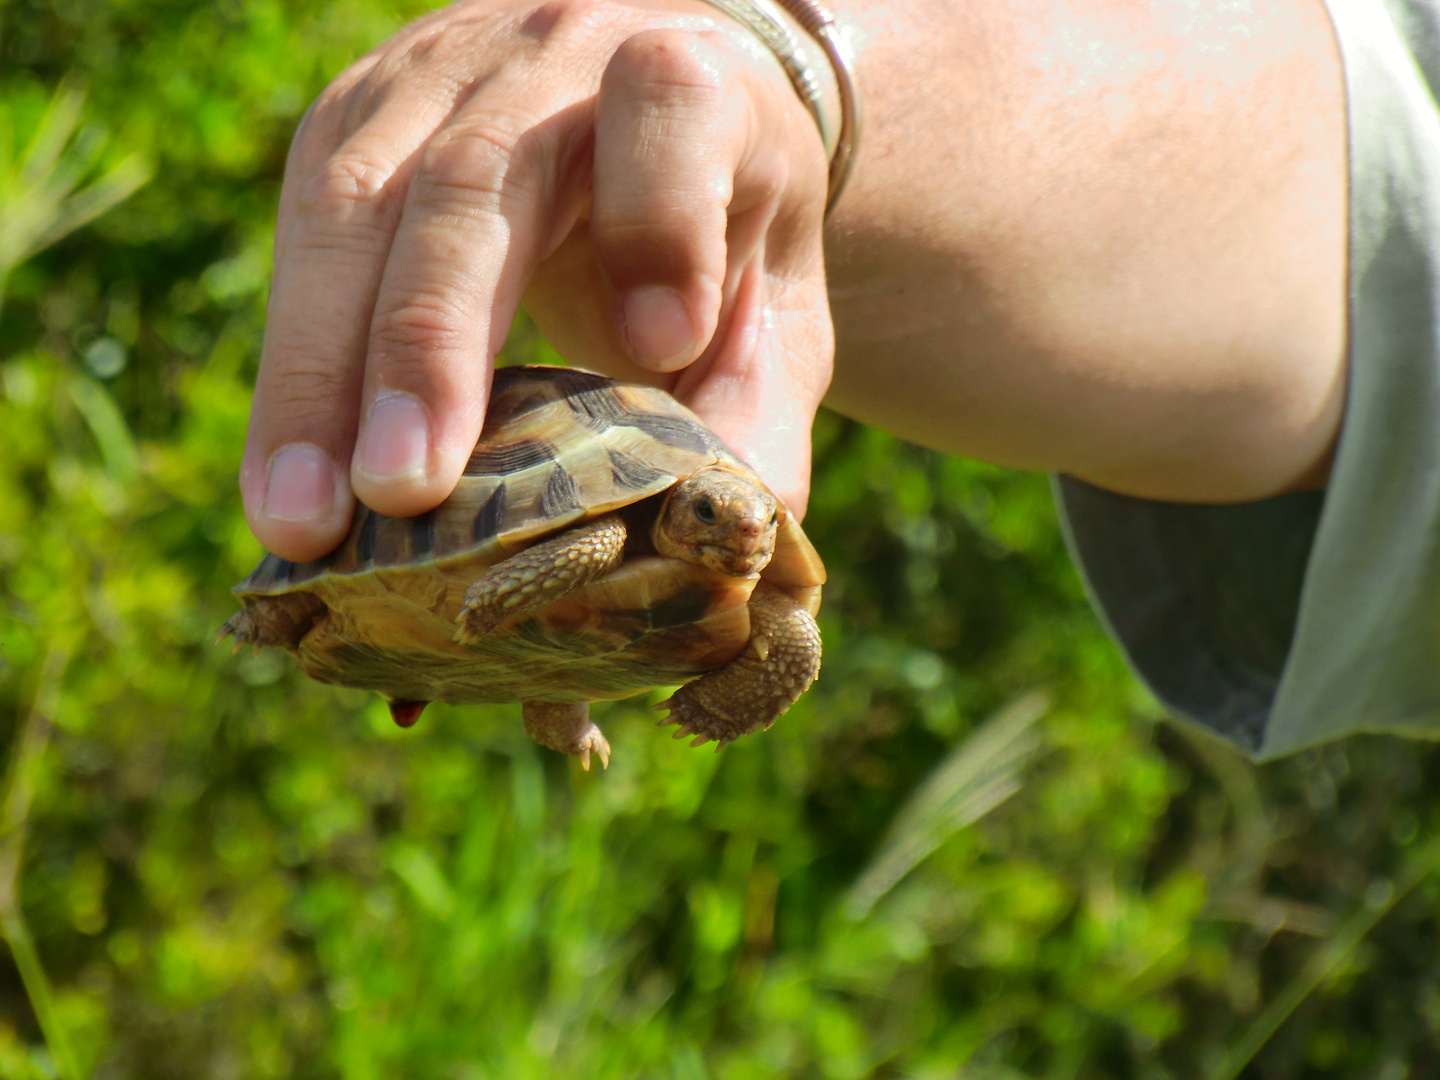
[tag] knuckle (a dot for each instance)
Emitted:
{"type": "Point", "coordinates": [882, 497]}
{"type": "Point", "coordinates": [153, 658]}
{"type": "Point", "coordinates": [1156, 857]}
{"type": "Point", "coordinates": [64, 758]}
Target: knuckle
{"type": "Point", "coordinates": [407, 334]}
{"type": "Point", "coordinates": [439, 64]}
{"type": "Point", "coordinates": [332, 109]}
{"type": "Point", "coordinates": [671, 238]}
{"type": "Point", "coordinates": [544, 20]}
{"type": "Point", "coordinates": [348, 184]}
{"type": "Point", "coordinates": [685, 208]}
{"type": "Point", "coordinates": [666, 60]}
{"type": "Point", "coordinates": [567, 23]}
{"type": "Point", "coordinates": [474, 166]}
{"type": "Point", "coordinates": [474, 149]}
{"type": "Point", "coordinates": [351, 253]}
{"type": "Point", "coordinates": [333, 103]}
{"type": "Point", "coordinates": [305, 398]}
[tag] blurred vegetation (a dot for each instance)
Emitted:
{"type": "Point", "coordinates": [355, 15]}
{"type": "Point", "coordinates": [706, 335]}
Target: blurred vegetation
{"type": "Point", "coordinates": [973, 850]}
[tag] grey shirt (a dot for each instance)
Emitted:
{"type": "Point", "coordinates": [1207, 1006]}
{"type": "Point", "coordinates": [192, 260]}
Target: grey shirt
{"type": "Point", "coordinates": [1304, 618]}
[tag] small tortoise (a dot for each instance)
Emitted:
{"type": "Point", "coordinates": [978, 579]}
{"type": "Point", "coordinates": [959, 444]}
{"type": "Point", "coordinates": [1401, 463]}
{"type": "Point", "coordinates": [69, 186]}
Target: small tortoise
{"type": "Point", "coordinates": [601, 542]}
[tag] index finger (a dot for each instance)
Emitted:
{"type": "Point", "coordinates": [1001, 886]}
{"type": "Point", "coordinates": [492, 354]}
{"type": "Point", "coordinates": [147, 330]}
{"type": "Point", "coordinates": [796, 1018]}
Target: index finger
{"type": "Point", "coordinates": [494, 191]}
{"type": "Point", "coordinates": [338, 216]}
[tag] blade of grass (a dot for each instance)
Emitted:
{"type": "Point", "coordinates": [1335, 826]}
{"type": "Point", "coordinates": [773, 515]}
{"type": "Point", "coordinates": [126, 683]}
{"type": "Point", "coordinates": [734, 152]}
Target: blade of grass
{"type": "Point", "coordinates": [85, 205]}
{"type": "Point", "coordinates": [43, 201]}
{"type": "Point", "coordinates": [25, 756]}
{"type": "Point", "coordinates": [979, 774]}
{"type": "Point", "coordinates": [1327, 958]}
{"type": "Point", "coordinates": [56, 126]}
{"type": "Point", "coordinates": [107, 424]}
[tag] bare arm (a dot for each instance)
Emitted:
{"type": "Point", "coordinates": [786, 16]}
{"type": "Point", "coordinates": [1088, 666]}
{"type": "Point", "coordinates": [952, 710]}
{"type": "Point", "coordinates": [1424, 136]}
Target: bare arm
{"type": "Point", "coordinates": [1100, 237]}
{"type": "Point", "coordinates": [1103, 238]}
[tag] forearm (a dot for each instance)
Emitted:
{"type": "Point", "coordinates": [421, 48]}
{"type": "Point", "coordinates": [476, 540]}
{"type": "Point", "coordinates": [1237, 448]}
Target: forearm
{"type": "Point", "coordinates": [1099, 240]}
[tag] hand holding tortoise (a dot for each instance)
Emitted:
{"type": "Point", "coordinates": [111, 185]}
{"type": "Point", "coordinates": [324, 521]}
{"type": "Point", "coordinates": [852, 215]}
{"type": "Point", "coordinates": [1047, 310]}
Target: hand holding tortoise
{"type": "Point", "coordinates": [640, 173]}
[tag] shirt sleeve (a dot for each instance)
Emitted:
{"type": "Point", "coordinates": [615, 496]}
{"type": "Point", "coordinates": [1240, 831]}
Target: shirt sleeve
{"type": "Point", "coordinates": [1304, 618]}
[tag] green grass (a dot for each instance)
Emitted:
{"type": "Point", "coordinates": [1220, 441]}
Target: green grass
{"type": "Point", "coordinates": [974, 849]}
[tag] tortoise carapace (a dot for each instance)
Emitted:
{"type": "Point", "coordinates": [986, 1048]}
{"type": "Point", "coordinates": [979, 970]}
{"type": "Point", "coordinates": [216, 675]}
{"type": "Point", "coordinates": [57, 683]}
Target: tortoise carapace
{"type": "Point", "coordinates": [602, 541]}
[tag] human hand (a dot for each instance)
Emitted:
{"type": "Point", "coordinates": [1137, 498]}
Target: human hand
{"type": "Point", "coordinates": [641, 173]}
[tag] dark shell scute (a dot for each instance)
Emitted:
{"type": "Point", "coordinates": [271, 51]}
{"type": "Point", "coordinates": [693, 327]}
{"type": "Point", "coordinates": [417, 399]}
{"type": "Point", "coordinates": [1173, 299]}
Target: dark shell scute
{"type": "Point", "coordinates": [632, 474]}
{"type": "Point", "coordinates": [531, 393]}
{"type": "Point", "coordinates": [560, 496]}
{"type": "Point", "coordinates": [307, 570]}
{"type": "Point", "coordinates": [365, 542]}
{"type": "Point", "coordinates": [570, 382]}
{"type": "Point", "coordinates": [422, 535]}
{"type": "Point", "coordinates": [277, 574]}
{"type": "Point", "coordinates": [598, 408]}
{"type": "Point", "coordinates": [492, 513]}
{"type": "Point", "coordinates": [674, 431]}
{"type": "Point", "coordinates": [501, 459]}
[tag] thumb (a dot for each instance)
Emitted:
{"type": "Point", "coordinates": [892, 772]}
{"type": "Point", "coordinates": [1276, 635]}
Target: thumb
{"type": "Point", "coordinates": [761, 385]}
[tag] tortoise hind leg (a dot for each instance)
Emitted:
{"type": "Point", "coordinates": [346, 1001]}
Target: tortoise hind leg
{"type": "Point", "coordinates": [521, 585]}
{"type": "Point", "coordinates": [754, 689]}
{"type": "Point", "coordinates": [274, 620]}
{"type": "Point", "coordinates": [566, 727]}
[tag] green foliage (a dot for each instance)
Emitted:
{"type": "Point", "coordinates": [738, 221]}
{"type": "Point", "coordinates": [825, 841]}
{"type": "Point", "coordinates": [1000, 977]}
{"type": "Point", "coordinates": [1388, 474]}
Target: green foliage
{"type": "Point", "coordinates": [970, 851]}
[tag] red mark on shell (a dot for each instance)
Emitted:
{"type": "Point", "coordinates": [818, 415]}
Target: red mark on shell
{"type": "Point", "coordinates": [405, 713]}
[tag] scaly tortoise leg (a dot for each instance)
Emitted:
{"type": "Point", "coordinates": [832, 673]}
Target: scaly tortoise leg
{"type": "Point", "coordinates": [566, 727]}
{"type": "Point", "coordinates": [754, 689]}
{"type": "Point", "coordinates": [521, 585]}
{"type": "Point", "coordinates": [274, 620]}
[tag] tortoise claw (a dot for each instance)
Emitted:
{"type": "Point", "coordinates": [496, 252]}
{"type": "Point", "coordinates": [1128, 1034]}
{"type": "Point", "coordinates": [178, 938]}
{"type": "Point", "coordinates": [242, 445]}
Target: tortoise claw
{"type": "Point", "coordinates": [602, 751]}
{"type": "Point", "coordinates": [475, 622]}
{"type": "Point", "coordinates": [567, 727]}
{"type": "Point", "coordinates": [698, 723]}
{"type": "Point", "coordinates": [594, 741]}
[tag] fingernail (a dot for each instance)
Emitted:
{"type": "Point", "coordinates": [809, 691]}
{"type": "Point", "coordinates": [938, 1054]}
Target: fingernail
{"type": "Point", "coordinates": [658, 328]}
{"type": "Point", "coordinates": [397, 439]}
{"type": "Point", "coordinates": [301, 484]}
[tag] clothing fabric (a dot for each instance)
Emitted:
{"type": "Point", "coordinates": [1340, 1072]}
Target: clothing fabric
{"type": "Point", "coordinates": [1304, 618]}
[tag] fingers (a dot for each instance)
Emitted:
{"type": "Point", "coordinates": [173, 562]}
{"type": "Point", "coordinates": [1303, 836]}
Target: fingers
{"type": "Point", "coordinates": [706, 223]}
{"type": "Point", "coordinates": [415, 212]}
{"type": "Point", "coordinates": [763, 381]}
{"type": "Point", "coordinates": [338, 216]}
{"type": "Point", "coordinates": [671, 125]}
{"type": "Point", "coordinates": [481, 211]}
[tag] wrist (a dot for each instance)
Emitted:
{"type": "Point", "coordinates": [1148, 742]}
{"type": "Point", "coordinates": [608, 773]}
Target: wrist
{"type": "Point", "coordinates": [803, 39]}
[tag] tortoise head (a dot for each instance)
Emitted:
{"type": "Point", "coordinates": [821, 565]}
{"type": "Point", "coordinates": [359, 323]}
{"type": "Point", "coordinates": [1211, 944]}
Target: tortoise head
{"type": "Point", "coordinates": [719, 519]}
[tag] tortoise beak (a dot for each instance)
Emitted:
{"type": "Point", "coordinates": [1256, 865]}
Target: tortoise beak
{"type": "Point", "coordinates": [750, 526]}
{"type": "Point", "coordinates": [727, 560]}
{"type": "Point", "coordinates": [750, 534]}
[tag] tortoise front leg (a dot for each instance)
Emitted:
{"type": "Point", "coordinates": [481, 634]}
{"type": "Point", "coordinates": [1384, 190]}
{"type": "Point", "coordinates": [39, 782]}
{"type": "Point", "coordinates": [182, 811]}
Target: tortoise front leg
{"type": "Point", "coordinates": [521, 585]}
{"type": "Point", "coordinates": [754, 689]}
{"type": "Point", "coordinates": [567, 728]}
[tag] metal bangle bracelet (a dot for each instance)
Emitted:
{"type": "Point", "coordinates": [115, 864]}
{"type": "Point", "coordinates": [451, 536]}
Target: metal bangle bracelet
{"type": "Point", "coordinates": [840, 139]}
{"type": "Point", "coordinates": [820, 24]}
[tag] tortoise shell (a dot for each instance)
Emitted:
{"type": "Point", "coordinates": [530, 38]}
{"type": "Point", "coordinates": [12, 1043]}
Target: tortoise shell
{"type": "Point", "coordinates": [559, 446]}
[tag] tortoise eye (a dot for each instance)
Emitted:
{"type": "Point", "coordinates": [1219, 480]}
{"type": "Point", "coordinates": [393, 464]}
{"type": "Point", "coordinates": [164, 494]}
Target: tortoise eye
{"type": "Point", "coordinates": [774, 517]}
{"type": "Point", "coordinates": [705, 511]}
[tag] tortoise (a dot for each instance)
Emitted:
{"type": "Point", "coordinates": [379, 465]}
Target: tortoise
{"type": "Point", "coordinates": [601, 542]}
